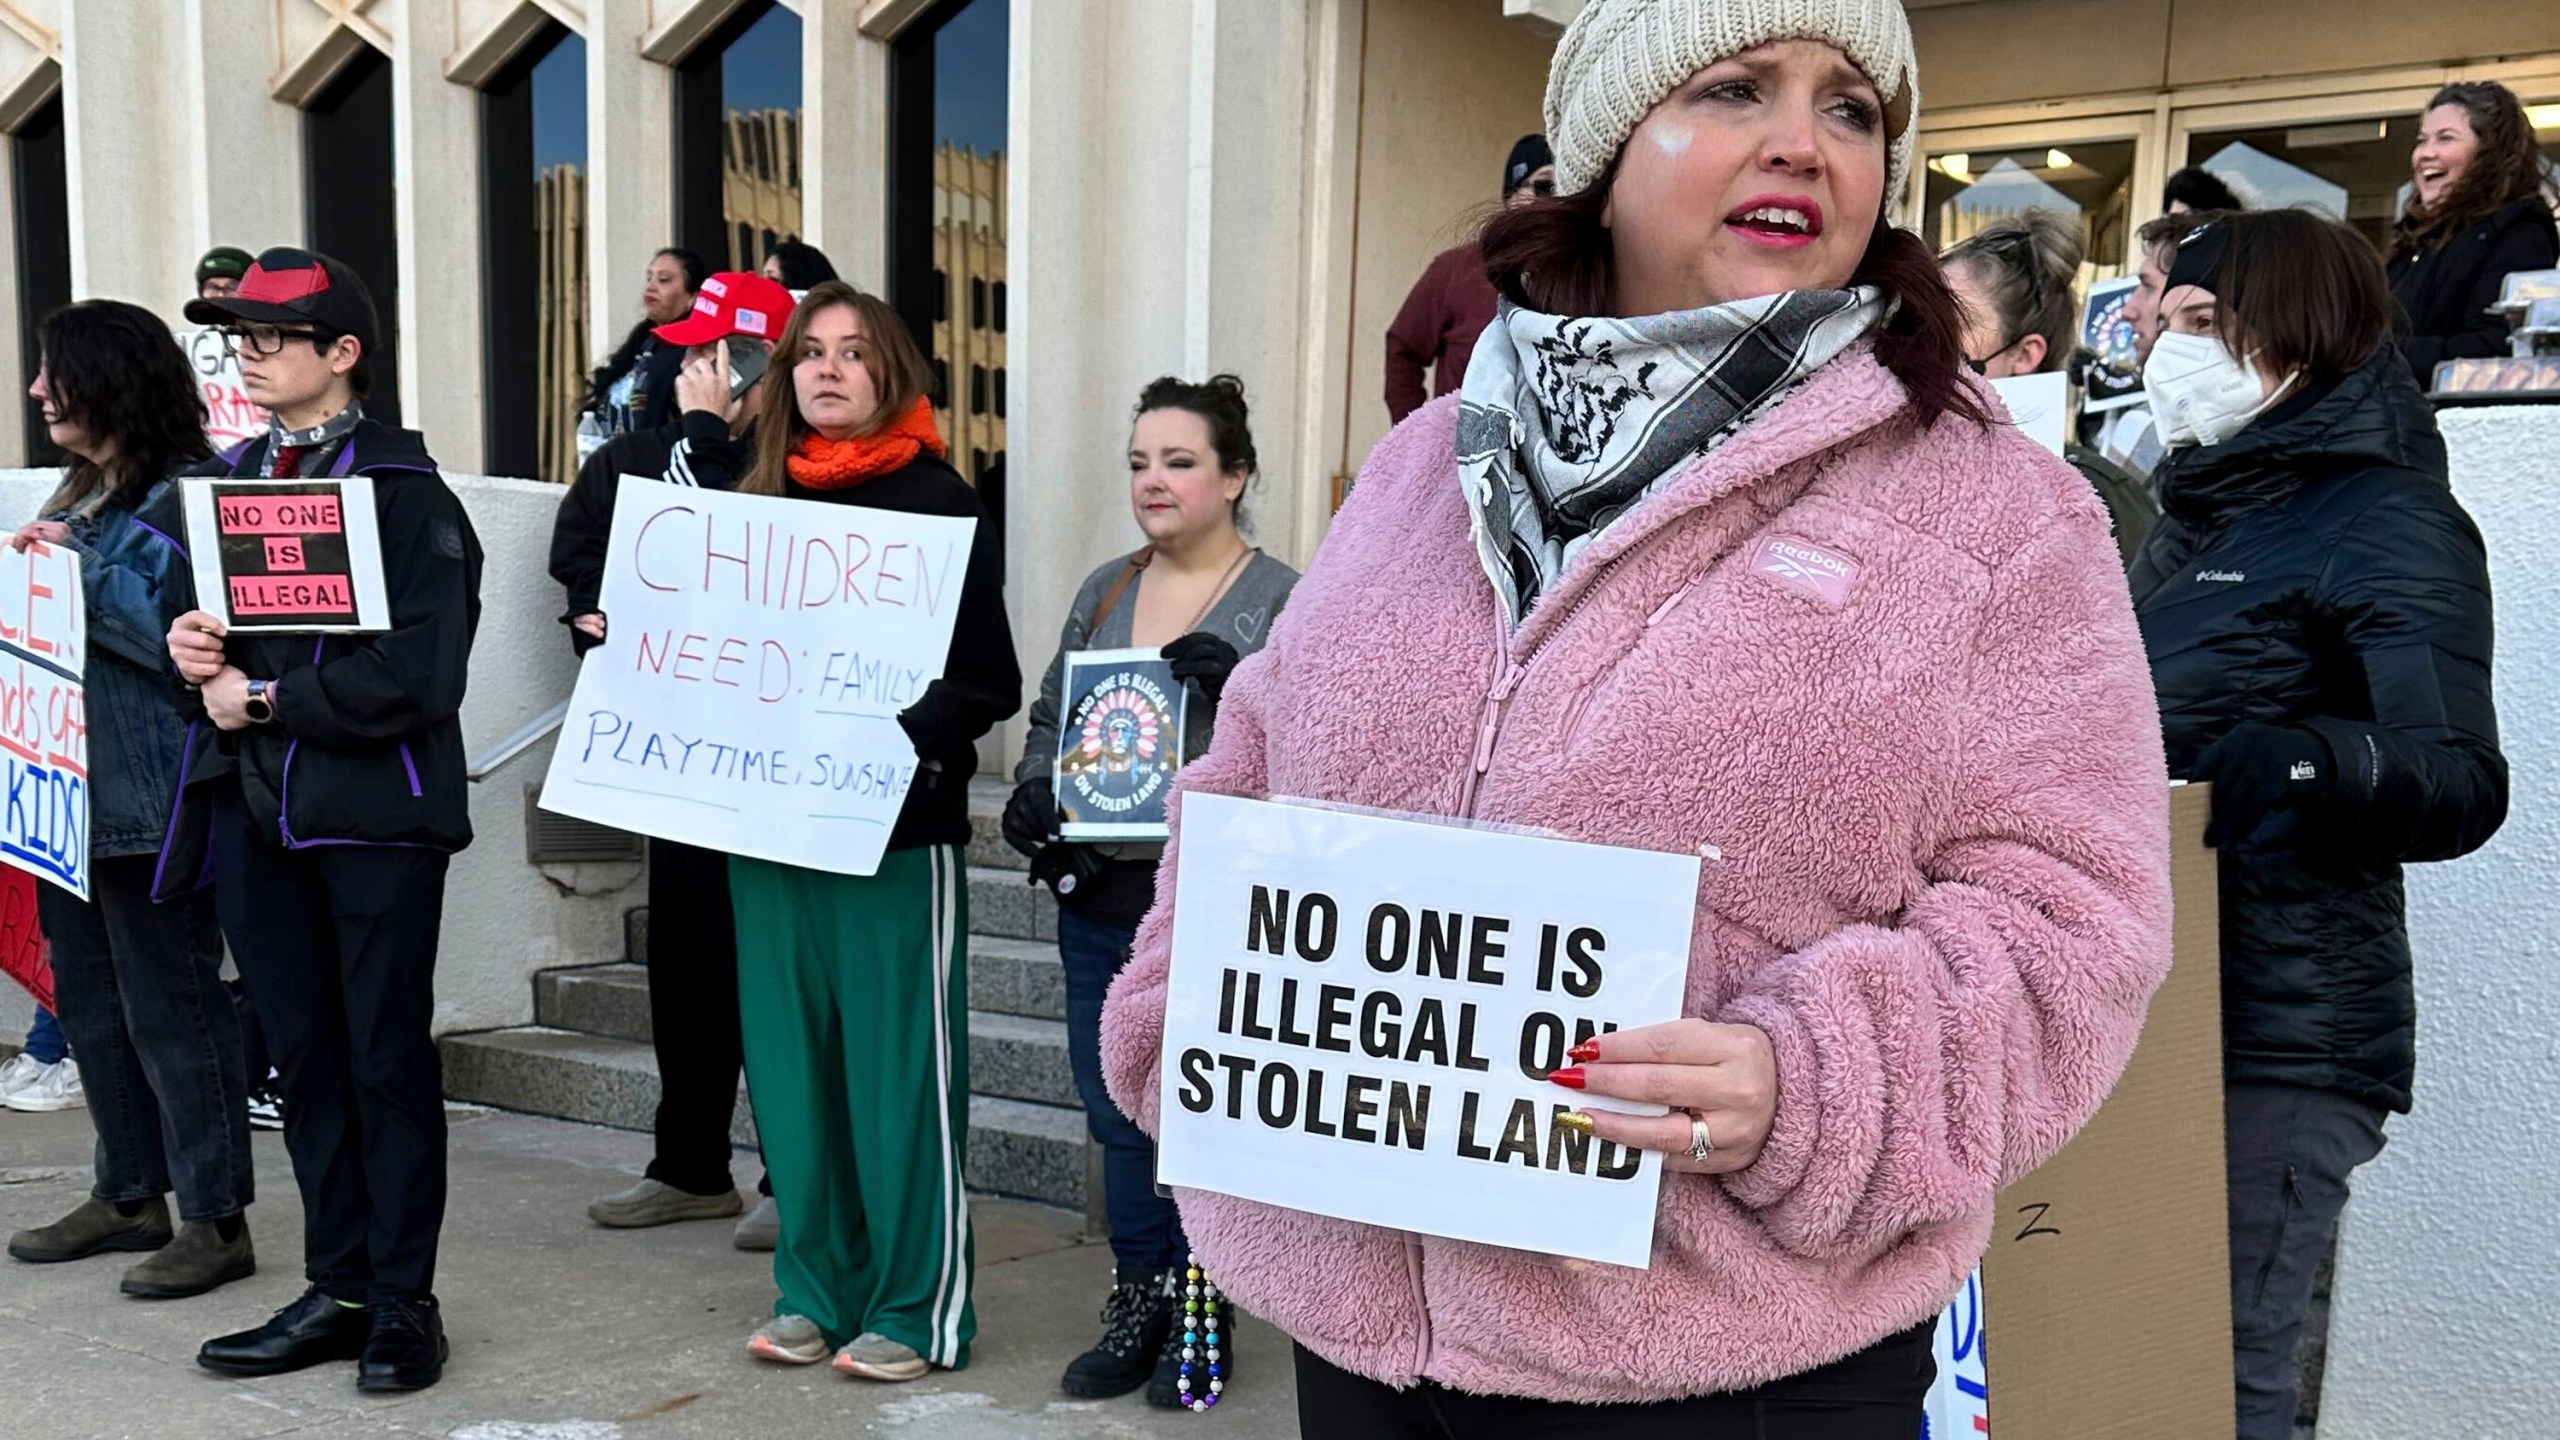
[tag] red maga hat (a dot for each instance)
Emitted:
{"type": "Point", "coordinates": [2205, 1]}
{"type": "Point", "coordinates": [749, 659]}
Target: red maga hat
{"type": "Point", "coordinates": [732, 302]}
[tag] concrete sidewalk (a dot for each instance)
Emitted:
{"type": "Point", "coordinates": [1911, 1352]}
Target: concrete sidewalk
{"type": "Point", "coordinates": [560, 1331]}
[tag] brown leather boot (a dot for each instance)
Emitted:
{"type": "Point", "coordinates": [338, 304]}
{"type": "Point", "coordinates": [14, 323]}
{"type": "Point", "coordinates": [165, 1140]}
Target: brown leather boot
{"type": "Point", "coordinates": [197, 1261]}
{"type": "Point", "coordinates": [92, 1229]}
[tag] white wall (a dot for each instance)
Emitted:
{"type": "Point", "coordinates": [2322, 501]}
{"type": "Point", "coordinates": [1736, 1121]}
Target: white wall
{"type": "Point", "coordinates": [503, 919]}
{"type": "Point", "coordinates": [2444, 1322]}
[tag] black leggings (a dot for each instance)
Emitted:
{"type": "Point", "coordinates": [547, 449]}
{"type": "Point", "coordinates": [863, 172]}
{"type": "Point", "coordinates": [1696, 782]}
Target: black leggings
{"type": "Point", "coordinates": [1872, 1395]}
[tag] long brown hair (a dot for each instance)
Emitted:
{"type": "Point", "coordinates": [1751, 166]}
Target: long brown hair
{"type": "Point", "coordinates": [898, 372]}
{"type": "Point", "coordinates": [115, 370]}
{"type": "Point", "coordinates": [2508, 167]}
{"type": "Point", "coordinates": [1554, 256]}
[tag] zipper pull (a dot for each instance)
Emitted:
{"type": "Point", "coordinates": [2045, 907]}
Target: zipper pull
{"type": "Point", "coordinates": [1495, 699]}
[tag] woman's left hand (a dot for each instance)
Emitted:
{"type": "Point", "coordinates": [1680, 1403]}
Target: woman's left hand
{"type": "Point", "coordinates": [1726, 1075]}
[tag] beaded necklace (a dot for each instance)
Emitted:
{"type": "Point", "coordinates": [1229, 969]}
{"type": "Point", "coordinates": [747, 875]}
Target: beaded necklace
{"type": "Point", "coordinates": [1200, 1345]}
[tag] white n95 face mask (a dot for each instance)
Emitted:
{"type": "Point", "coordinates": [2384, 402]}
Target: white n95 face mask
{"type": "Point", "coordinates": [2201, 393]}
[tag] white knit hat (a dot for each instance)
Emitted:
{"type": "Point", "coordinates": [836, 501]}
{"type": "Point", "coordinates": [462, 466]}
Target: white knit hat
{"type": "Point", "coordinates": [1620, 58]}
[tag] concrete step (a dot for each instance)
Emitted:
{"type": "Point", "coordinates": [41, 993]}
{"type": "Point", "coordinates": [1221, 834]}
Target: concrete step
{"type": "Point", "coordinates": [1004, 903]}
{"type": "Point", "coordinates": [987, 795]}
{"type": "Point", "coordinates": [1015, 1057]}
{"type": "Point", "coordinates": [1016, 1147]}
{"type": "Point", "coordinates": [607, 1000]}
{"type": "Point", "coordinates": [1006, 978]}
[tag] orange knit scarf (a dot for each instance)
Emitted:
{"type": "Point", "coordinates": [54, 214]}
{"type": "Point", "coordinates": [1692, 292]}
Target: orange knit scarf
{"type": "Point", "coordinates": [823, 464]}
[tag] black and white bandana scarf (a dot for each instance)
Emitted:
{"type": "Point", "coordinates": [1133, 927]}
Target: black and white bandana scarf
{"type": "Point", "coordinates": [327, 432]}
{"type": "Point", "coordinates": [1564, 424]}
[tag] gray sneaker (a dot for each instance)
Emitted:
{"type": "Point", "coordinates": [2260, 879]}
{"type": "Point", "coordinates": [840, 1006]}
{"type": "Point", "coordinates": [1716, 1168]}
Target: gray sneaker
{"type": "Point", "coordinates": [873, 1356]}
{"type": "Point", "coordinates": [789, 1340]}
{"type": "Point", "coordinates": [94, 1228]}
{"type": "Point", "coordinates": [197, 1261]}
{"type": "Point", "coordinates": [652, 1203]}
{"type": "Point", "coordinates": [762, 1229]}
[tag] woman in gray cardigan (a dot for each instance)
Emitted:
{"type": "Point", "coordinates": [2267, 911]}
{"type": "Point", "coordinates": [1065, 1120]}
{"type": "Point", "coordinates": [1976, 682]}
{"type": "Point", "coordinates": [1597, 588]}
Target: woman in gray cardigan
{"type": "Point", "coordinates": [1206, 599]}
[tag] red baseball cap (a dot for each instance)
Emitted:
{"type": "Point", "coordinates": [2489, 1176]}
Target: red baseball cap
{"type": "Point", "coordinates": [732, 302]}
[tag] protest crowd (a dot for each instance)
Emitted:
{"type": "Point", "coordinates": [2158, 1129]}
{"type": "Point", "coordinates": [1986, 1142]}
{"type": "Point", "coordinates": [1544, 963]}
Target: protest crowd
{"type": "Point", "coordinates": [1702, 489]}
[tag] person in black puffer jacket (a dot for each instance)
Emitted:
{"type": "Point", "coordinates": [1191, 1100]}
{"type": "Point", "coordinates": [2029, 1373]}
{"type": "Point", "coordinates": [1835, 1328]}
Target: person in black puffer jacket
{"type": "Point", "coordinates": [2481, 210]}
{"type": "Point", "coordinates": [2315, 602]}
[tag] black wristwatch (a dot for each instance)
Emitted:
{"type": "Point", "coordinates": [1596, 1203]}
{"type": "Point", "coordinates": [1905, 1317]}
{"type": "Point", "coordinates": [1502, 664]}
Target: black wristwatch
{"type": "Point", "coordinates": [260, 704]}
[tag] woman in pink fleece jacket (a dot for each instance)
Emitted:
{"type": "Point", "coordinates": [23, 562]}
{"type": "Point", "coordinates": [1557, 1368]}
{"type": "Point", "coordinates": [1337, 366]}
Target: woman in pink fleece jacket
{"type": "Point", "coordinates": [1717, 547]}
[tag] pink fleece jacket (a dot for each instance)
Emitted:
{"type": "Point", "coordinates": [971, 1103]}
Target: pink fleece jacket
{"type": "Point", "coordinates": [1892, 675]}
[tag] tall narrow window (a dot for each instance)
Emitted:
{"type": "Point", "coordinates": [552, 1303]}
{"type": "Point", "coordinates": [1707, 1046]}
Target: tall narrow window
{"type": "Point", "coordinates": [347, 165]}
{"type": "Point", "coordinates": [533, 247]}
{"type": "Point", "coordinates": [738, 138]}
{"type": "Point", "coordinates": [41, 196]}
{"type": "Point", "coordinates": [947, 177]}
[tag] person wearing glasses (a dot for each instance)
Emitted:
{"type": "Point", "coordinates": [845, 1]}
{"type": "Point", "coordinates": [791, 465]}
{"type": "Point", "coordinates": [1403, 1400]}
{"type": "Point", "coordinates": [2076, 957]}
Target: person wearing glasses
{"type": "Point", "coordinates": [2013, 281]}
{"type": "Point", "coordinates": [1453, 301]}
{"type": "Point", "coordinates": [325, 812]}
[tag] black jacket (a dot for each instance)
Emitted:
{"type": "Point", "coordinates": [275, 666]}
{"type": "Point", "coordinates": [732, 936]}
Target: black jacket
{"type": "Point", "coordinates": [653, 399]}
{"type": "Point", "coordinates": [583, 528]}
{"type": "Point", "coordinates": [2445, 293]}
{"type": "Point", "coordinates": [2316, 571]}
{"type": "Point", "coordinates": [981, 684]}
{"type": "Point", "coordinates": [366, 747]}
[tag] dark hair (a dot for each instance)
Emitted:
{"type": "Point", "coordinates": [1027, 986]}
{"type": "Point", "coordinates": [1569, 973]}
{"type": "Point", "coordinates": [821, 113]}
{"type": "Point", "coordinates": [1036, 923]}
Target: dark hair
{"type": "Point", "coordinates": [1219, 402]}
{"type": "Point", "coordinates": [2199, 189]}
{"type": "Point", "coordinates": [1554, 256]}
{"type": "Point", "coordinates": [2026, 268]}
{"type": "Point", "coordinates": [2508, 167]}
{"type": "Point", "coordinates": [2299, 291]}
{"type": "Point", "coordinates": [695, 272]}
{"type": "Point", "coordinates": [803, 266]}
{"type": "Point", "coordinates": [899, 376]}
{"type": "Point", "coordinates": [116, 371]}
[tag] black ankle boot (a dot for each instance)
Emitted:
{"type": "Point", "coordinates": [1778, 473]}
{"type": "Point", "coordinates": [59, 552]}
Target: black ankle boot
{"type": "Point", "coordinates": [1136, 1317]}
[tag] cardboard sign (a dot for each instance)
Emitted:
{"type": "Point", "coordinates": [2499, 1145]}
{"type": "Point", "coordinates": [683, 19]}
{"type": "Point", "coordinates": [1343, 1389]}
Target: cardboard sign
{"type": "Point", "coordinates": [1120, 744]}
{"type": "Point", "coordinates": [2109, 1277]}
{"type": "Point", "coordinates": [230, 415]}
{"type": "Point", "coordinates": [23, 956]}
{"type": "Point", "coordinates": [288, 555]}
{"type": "Point", "coordinates": [44, 721]}
{"type": "Point", "coordinates": [1361, 1013]}
{"type": "Point", "coordinates": [757, 654]}
{"type": "Point", "coordinates": [2039, 405]}
{"type": "Point", "coordinates": [2114, 378]}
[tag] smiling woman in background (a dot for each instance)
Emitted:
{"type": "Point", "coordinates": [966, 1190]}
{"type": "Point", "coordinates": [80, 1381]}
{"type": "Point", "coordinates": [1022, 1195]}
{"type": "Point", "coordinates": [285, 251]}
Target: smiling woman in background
{"type": "Point", "coordinates": [2482, 211]}
{"type": "Point", "coordinates": [1717, 549]}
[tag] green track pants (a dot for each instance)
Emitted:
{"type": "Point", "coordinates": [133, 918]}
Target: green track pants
{"type": "Point", "coordinates": [852, 995]}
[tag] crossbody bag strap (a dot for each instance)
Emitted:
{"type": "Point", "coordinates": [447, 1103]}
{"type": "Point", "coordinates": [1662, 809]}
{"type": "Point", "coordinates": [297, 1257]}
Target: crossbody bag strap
{"type": "Point", "coordinates": [1119, 586]}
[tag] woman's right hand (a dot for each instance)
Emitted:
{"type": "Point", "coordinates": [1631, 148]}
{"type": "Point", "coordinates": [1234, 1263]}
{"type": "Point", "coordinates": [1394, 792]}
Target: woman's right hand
{"type": "Point", "coordinates": [589, 624]}
{"type": "Point", "coordinates": [195, 647]}
{"type": "Point", "coordinates": [1031, 816]}
{"type": "Point", "coordinates": [40, 532]}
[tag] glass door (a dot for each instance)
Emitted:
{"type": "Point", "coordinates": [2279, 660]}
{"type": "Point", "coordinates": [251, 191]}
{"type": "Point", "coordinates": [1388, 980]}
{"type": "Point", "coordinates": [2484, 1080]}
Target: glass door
{"type": "Point", "coordinates": [2091, 169]}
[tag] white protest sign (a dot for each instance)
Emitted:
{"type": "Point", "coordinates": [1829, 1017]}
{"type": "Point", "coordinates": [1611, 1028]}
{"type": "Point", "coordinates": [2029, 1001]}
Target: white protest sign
{"type": "Point", "coordinates": [44, 724]}
{"type": "Point", "coordinates": [1361, 1013]}
{"type": "Point", "coordinates": [2040, 405]}
{"type": "Point", "coordinates": [757, 653]}
{"type": "Point", "coordinates": [230, 415]}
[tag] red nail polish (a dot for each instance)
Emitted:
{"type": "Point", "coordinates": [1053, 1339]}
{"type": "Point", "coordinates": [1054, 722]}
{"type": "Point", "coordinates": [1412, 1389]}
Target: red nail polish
{"type": "Point", "coordinates": [1584, 1053]}
{"type": "Point", "coordinates": [1570, 1077]}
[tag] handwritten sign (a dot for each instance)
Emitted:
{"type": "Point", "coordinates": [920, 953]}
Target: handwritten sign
{"type": "Point", "coordinates": [44, 719]}
{"type": "Point", "coordinates": [230, 415]}
{"type": "Point", "coordinates": [1362, 1011]}
{"type": "Point", "coordinates": [1120, 746]}
{"type": "Point", "coordinates": [757, 654]}
{"type": "Point", "coordinates": [285, 555]}
{"type": "Point", "coordinates": [1958, 1406]}
{"type": "Point", "coordinates": [2040, 406]}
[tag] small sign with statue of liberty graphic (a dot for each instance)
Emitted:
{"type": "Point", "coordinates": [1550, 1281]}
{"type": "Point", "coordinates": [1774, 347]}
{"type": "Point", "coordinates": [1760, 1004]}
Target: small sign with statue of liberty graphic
{"type": "Point", "coordinates": [1120, 746]}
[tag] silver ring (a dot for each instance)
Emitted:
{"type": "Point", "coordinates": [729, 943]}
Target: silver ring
{"type": "Point", "coordinates": [1700, 1146]}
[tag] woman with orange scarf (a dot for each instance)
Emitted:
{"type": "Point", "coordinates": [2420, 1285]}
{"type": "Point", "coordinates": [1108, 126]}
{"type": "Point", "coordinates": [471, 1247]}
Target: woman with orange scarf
{"type": "Point", "coordinates": [852, 994]}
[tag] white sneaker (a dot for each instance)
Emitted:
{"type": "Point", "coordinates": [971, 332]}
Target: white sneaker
{"type": "Point", "coordinates": [17, 1070]}
{"type": "Point", "coordinates": [54, 1087]}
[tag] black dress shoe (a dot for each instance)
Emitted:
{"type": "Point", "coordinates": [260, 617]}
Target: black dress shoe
{"type": "Point", "coordinates": [407, 1349]}
{"type": "Point", "coordinates": [313, 1330]}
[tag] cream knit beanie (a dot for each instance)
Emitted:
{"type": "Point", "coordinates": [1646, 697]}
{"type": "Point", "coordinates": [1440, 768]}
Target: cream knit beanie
{"type": "Point", "coordinates": [1620, 58]}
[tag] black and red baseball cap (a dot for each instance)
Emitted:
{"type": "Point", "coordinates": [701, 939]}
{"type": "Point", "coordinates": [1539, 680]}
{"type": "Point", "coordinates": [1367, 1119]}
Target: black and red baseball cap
{"type": "Point", "coordinates": [285, 286]}
{"type": "Point", "coordinates": [732, 302]}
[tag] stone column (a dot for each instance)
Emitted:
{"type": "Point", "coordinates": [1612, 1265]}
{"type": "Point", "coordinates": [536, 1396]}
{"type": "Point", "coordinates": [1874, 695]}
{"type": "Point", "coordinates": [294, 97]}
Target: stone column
{"type": "Point", "coordinates": [435, 146]}
{"type": "Point", "coordinates": [244, 173]}
{"type": "Point", "coordinates": [630, 166]}
{"type": "Point", "coordinates": [123, 129]}
{"type": "Point", "coordinates": [844, 142]}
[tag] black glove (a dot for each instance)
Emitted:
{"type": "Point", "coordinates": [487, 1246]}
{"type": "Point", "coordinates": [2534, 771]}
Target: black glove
{"type": "Point", "coordinates": [2257, 770]}
{"type": "Point", "coordinates": [1031, 816]}
{"type": "Point", "coordinates": [1203, 659]}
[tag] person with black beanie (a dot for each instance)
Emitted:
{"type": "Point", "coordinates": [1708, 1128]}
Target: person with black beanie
{"type": "Point", "coordinates": [1453, 301]}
